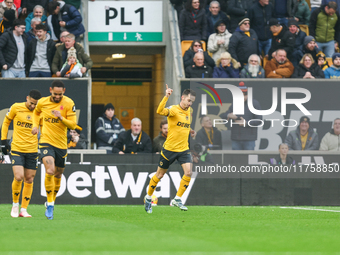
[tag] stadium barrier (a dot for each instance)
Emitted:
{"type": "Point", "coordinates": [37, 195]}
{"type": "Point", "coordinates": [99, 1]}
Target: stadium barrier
{"type": "Point", "coordinates": [123, 179]}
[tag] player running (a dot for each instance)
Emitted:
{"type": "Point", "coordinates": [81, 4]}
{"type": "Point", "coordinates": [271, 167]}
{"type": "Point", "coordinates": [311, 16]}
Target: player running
{"type": "Point", "coordinates": [176, 145]}
{"type": "Point", "coordinates": [58, 113]}
{"type": "Point", "coordinates": [24, 153]}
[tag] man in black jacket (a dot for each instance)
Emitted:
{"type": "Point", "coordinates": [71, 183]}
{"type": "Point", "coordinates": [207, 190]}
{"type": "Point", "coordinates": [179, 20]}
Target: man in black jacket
{"type": "Point", "coordinates": [282, 39]}
{"type": "Point", "coordinates": [215, 14]}
{"type": "Point", "coordinates": [13, 47]}
{"type": "Point", "coordinates": [198, 70]}
{"type": "Point", "coordinates": [243, 43]}
{"type": "Point", "coordinates": [134, 140]}
{"type": "Point", "coordinates": [237, 10]}
{"type": "Point", "coordinates": [259, 15]}
{"type": "Point", "coordinates": [209, 135]}
{"type": "Point", "coordinates": [40, 53]}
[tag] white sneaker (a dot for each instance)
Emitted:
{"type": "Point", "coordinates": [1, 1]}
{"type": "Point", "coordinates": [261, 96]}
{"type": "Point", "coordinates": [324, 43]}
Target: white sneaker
{"type": "Point", "coordinates": [24, 214]}
{"type": "Point", "coordinates": [178, 203]}
{"type": "Point", "coordinates": [15, 211]}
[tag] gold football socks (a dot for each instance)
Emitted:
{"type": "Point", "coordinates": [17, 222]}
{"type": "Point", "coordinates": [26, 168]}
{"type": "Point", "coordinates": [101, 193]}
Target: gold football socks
{"type": "Point", "coordinates": [16, 189]}
{"type": "Point", "coordinates": [26, 194]}
{"type": "Point", "coordinates": [152, 185]}
{"type": "Point", "coordinates": [49, 186]}
{"type": "Point", "coordinates": [183, 185]}
{"type": "Point", "coordinates": [56, 187]}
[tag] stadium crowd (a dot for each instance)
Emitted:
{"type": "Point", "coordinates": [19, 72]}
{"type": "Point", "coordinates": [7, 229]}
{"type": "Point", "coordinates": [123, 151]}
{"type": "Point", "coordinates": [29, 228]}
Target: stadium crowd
{"type": "Point", "coordinates": [40, 38]}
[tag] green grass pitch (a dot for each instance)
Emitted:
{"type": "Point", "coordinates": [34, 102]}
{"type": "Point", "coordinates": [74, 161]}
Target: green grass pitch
{"type": "Point", "coordinates": [201, 230]}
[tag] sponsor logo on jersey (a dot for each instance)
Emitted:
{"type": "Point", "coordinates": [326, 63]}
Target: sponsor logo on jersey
{"type": "Point", "coordinates": [52, 120]}
{"type": "Point", "coordinates": [182, 124]}
{"type": "Point", "coordinates": [24, 124]}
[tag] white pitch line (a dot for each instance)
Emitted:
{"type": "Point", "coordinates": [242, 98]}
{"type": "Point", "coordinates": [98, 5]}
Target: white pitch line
{"type": "Point", "coordinates": [309, 209]}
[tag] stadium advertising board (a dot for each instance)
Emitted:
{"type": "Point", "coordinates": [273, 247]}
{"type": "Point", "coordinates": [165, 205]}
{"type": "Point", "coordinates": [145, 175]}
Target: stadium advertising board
{"type": "Point", "coordinates": [105, 182]}
{"type": "Point", "coordinates": [125, 21]}
{"type": "Point", "coordinates": [282, 104]}
{"type": "Point", "coordinates": [77, 90]}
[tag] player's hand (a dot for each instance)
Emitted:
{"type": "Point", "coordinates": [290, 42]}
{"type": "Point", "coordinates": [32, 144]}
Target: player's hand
{"type": "Point", "coordinates": [193, 133]}
{"type": "Point", "coordinates": [121, 153]}
{"type": "Point", "coordinates": [57, 114]}
{"type": "Point", "coordinates": [35, 131]}
{"type": "Point", "coordinates": [168, 91]}
{"type": "Point", "coordinates": [5, 147]}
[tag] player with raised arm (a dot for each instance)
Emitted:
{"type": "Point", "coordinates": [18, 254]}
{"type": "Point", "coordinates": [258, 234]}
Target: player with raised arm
{"type": "Point", "coordinates": [176, 145]}
{"type": "Point", "coordinates": [58, 113]}
{"type": "Point", "coordinates": [24, 153]}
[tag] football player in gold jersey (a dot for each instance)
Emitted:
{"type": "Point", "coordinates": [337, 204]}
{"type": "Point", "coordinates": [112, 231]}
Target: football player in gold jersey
{"type": "Point", "coordinates": [176, 145]}
{"type": "Point", "coordinates": [58, 113]}
{"type": "Point", "coordinates": [24, 151]}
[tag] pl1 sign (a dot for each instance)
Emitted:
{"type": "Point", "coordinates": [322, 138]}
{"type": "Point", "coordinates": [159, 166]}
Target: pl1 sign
{"type": "Point", "coordinates": [125, 21]}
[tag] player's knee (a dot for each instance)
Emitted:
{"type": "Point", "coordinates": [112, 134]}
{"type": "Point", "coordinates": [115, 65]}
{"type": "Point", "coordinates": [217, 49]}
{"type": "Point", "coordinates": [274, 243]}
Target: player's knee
{"type": "Point", "coordinates": [50, 171]}
{"type": "Point", "coordinates": [159, 175]}
{"type": "Point", "coordinates": [188, 173]}
{"type": "Point", "coordinates": [19, 177]}
{"type": "Point", "coordinates": [29, 179]}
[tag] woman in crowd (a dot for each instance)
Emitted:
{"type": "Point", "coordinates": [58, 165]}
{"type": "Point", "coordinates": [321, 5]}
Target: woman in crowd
{"type": "Point", "coordinates": [7, 5]}
{"type": "Point", "coordinates": [283, 158]}
{"type": "Point", "coordinates": [38, 12]}
{"type": "Point", "coordinates": [307, 68]}
{"type": "Point", "coordinates": [188, 57]}
{"type": "Point", "coordinates": [227, 67]}
{"type": "Point", "coordinates": [219, 41]}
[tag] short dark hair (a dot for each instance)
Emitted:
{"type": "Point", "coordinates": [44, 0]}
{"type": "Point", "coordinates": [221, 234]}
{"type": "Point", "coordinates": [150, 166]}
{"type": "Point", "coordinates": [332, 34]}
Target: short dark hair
{"type": "Point", "coordinates": [189, 91]}
{"type": "Point", "coordinates": [332, 5]}
{"type": "Point", "coordinates": [58, 84]}
{"type": "Point", "coordinates": [52, 6]}
{"type": "Point", "coordinates": [163, 122]}
{"type": "Point", "coordinates": [202, 117]}
{"type": "Point", "coordinates": [282, 144]}
{"type": "Point", "coordinates": [41, 27]}
{"type": "Point", "coordinates": [18, 22]}
{"type": "Point", "coordinates": [35, 94]}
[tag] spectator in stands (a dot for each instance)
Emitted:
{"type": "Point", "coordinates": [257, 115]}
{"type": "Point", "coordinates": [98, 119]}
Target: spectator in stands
{"type": "Point", "coordinates": [72, 67]}
{"type": "Point", "coordinates": [243, 42]}
{"type": "Point", "coordinates": [331, 140]}
{"type": "Point", "coordinates": [40, 54]}
{"type": "Point", "coordinates": [315, 4]}
{"type": "Point", "coordinates": [134, 140]}
{"type": "Point", "coordinates": [188, 57]}
{"type": "Point", "coordinates": [198, 69]}
{"type": "Point", "coordinates": [193, 21]}
{"type": "Point", "coordinates": [302, 12]}
{"type": "Point", "coordinates": [13, 47]}
{"type": "Point", "coordinates": [218, 42]}
{"type": "Point", "coordinates": [324, 26]}
{"type": "Point", "coordinates": [8, 5]}
{"type": "Point", "coordinates": [243, 136]}
{"type": "Point", "coordinates": [310, 47]}
{"type": "Point", "coordinates": [215, 15]}
{"type": "Point", "coordinates": [158, 141]}
{"type": "Point", "coordinates": [303, 138]}
{"type": "Point", "coordinates": [28, 5]}
{"type": "Point", "coordinates": [259, 15]}
{"type": "Point", "coordinates": [75, 3]}
{"type": "Point", "coordinates": [299, 39]}
{"type": "Point", "coordinates": [108, 129]}
{"type": "Point", "coordinates": [333, 72]}
{"type": "Point", "coordinates": [253, 69]}
{"type": "Point", "coordinates": [7, 21]}
{"type": "Point", "coordinates": [322, 62]}
{"type": "Point", "coordinates": [237, 10]}
{"type": "Point", "coordinates": [208, 135]}
{"type": "Point", "coordinates": [32, 32]}
{"type": "Point", "coordinates": [283, 158]}
{"type": "Point", "coordinates": [282, 39]}
{"type": "Point", "coordinates": [63, 37]}
{"type": "Point", "coordinates": [279, 66]}
{"type": "Point", "coordinates": [308, 68]}
{"type": "Point", "coordinates": [227, 67]}
{"type": "Point", "coordinates": [61, 55]}
{"type": "Point", "coordinates": [284, 9]}
{"type": "Point", "coordinates": [65, 17]}
{"type": "Point", "coordinates": [38, 12]}
{"type": "Point", "coordinates": [76, 140]}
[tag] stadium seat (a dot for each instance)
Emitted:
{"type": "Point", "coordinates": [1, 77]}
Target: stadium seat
{"type": "Point", "coordinates": [264, 61]}
{"type": "Point", "coordinates": [304, 28]}
{"type": "Point", "coordinates": [330, 61]}
{"type": "Point", "coordinates": [185, 45]}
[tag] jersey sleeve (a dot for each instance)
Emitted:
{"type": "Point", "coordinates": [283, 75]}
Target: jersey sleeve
{"type": "Point", "coordinates": [70, 120]}
{"type": "Point", "coordinates": [7, 121]}
{"type": "Point", "coordinates": [161, 110]}
{"type": "Point", "coordinates": [36, 115]}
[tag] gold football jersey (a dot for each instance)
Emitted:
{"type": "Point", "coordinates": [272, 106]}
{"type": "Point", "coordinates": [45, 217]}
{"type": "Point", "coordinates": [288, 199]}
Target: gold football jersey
{"type": "Point", "coordinates": [22, 117]}
{"type": "Point", "coordinates": [179, 122]}
{"type": "Point", "coordinates": [54, 131]}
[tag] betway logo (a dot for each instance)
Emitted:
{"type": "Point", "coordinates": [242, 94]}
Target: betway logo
{"type": "Point", "coordinates": [78, 183]}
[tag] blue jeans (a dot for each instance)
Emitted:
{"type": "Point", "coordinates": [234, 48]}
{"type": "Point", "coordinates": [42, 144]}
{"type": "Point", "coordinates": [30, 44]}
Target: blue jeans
{"type": "Point", "coordinates": [327, 48]}
{"type": "Point", "coordinates": [283, 21]}
{"type": "Point", "coordinates": [242, 145]}
{"type": "Point", "coordinates": [264, 46]}
{"type": "Point", "coordinates": [12, 73]}
{"type": "Point", "coordinates": [39, 74]}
